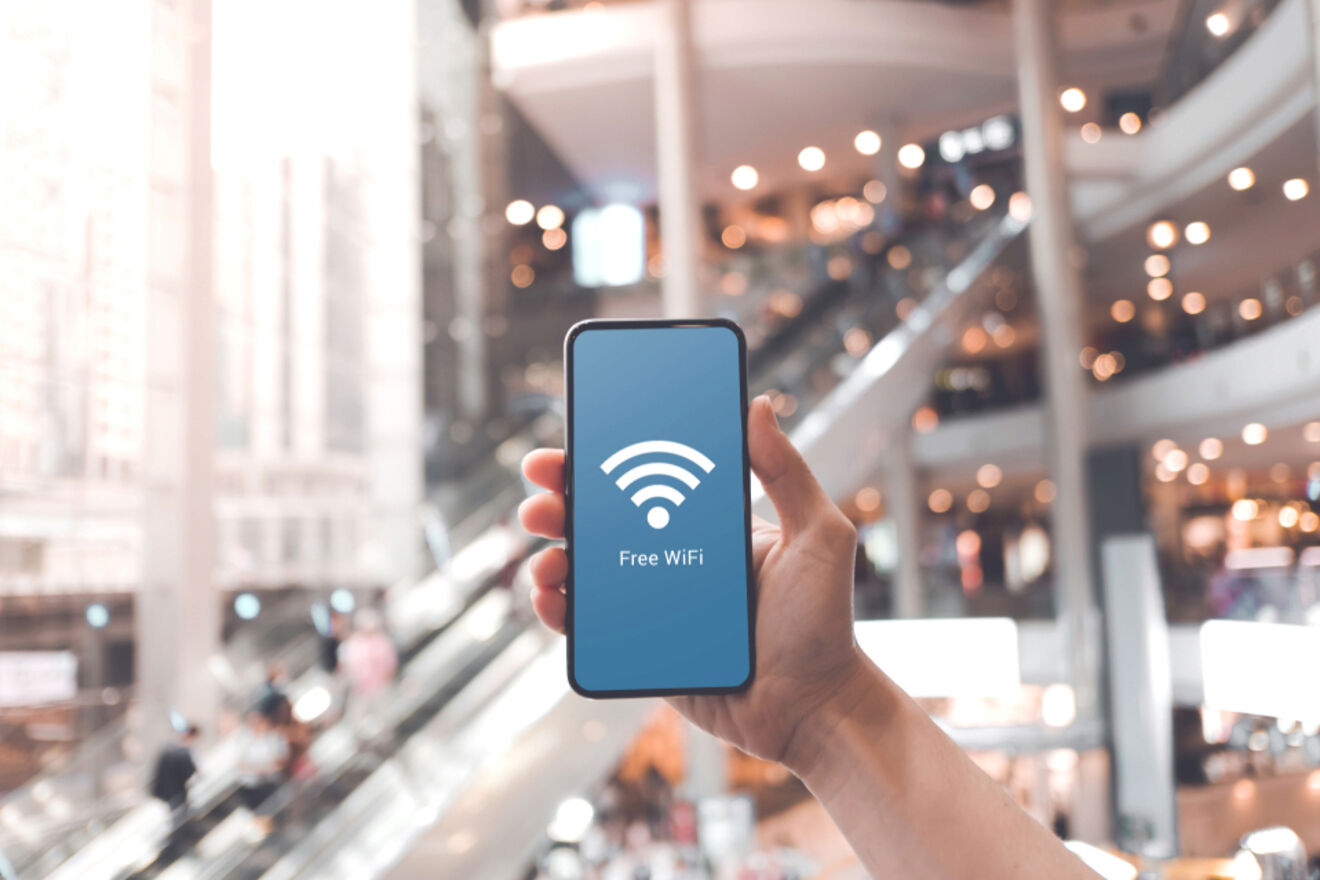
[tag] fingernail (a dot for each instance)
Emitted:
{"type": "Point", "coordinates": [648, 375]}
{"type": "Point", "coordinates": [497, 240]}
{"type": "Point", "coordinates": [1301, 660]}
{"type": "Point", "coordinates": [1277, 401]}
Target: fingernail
{"type": "Point", "coordinates": [774, 419]}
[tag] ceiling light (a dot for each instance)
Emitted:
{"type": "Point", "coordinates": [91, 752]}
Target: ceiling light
{"type": "Point", "coordinates": [1245, 510]}
{"type": "Point", "coordinates": [733, 237]}
{"type": "Point", "coordinates": [1045, 491]}
{"type": "Point", "coordinates": [1295, 189]}
{"type": "Point", "coordinates": [1211, 448]}
{"type": "Point", "coordinates": [1129, 123]}
{"type": "Point", "coordinates": [1217, 24]}
{"type": "Point", "coordinates": [988, 476]}
{"type": "Point", "coordinates": [744, 177]}
{"type": "Point", "coordinates": [1091, 133]}
{"type": "Point", "coordinates": [940, 501]}
{"type": "Point", "coordinates": [1242, 178]}
{"type": "Point", "coordinates": [867, 499]}
{"type": "Point", "coordinates": [925, 420]}
{"type": "Point", "coordinates": [1159, 289]}
{"type": "Point", "coordinates": [549, 217]}
{"type": "Point", "coordinates": [1249, 309]}
{"type": "Point", "coordinates": [1176, 460]}
{"type": "Point", "coordinates": [1123, 311]}
{"type": "Point", "coordinates": [1197, 232]}
{"type": "Point", "coordinates": [867, 142]}
{"type": "Point", "coordinates": [1162, 234]}
{"type": "Point", "coordinates": [1163, 474]}
{"type": "Point", "coordinates": [1157, 265]}
{"type": "Point", "coordinates": [1254, 433]}
{"type": "Point", "coordinates": [1162, 448]}
{"type": "Point", "coordinates": [978, 501]}
{"type": "Point", "coordinates": [811, 158]}
{"type": "Point", "coordinates": [1198, 474]}
{"type": "Point", "coordinates": [519, 212]}
{"type": "Point", "coordinates": [554, 239]}
{"type": "Point", "coordinates": [1193, 303]}
{"type": "Point", "coordinates": [951, 147]}
{"type": "Point", "coordinates": [1019, 207]}
{"type": "Point", "coordinates": [874, 191]}
{"type": "Point", "coordinates": [1072, 99]}
{"type": "Point", "coordinates": [1311, 432]}
{"type": "Point", "coordinates": [982, 196]}
{"type": "Point", "coordinates": [911, 156]}
{"type": "Point", "coordinates": [997, 132]}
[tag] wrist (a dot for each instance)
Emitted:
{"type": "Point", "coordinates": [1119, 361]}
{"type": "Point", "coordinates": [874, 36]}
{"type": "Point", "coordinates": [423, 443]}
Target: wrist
{"type": "Point", "coordinates": [864, 700]}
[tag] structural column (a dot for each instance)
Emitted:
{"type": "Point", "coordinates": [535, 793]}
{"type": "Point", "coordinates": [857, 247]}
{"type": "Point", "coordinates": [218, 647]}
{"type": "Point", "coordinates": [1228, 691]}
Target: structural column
{"type": "Point", "coordinates": [676, 136]}
{"type": "Point", "coordinates": [178, 609]}
{"type": "Point", "coordinates": [903, 504]}
{"type": "Point", "coordinates": [888, 173]}
{"type": "Point", "coordinates": [1059, 295]}
{"type": "Point", "coordinates": [1313, 11]}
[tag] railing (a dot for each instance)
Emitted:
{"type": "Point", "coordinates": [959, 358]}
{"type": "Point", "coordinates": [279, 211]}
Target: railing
{"type": "Point", "coordinates": [1206, 33]}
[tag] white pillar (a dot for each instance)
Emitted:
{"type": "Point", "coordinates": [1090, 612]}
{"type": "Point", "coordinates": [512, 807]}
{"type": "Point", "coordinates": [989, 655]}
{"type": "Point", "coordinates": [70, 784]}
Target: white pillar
{"type": "Point", "coordinates": [888, 173]}
{"type": "Point", "coordinates": [676, 127]}
{"type": "Point", "coordinates": [178, 611]}
{"type": "Point", "coordinates": [393, 327]}
{"type": "Point", "coordinates": [1059, 294]}
{"type": "Point", "coordinates": [903, 504]}
{"type": "Point", "coordinates": [1313, 8]}
{"type": "Point", "coordinates": [706, 764]}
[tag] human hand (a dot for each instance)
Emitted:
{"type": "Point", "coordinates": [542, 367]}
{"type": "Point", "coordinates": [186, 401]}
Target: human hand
{"type": "Point", "coordinates": [805, 651]}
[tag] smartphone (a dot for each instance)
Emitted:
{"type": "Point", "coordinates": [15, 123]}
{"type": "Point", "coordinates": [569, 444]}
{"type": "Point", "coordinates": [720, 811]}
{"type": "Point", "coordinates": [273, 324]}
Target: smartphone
{"type": "Point", "coordinates": [658, 528]}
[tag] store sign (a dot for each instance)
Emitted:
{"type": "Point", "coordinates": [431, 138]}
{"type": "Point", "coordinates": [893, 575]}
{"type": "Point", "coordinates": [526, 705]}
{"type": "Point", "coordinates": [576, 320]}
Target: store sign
{"type": "Point", "coordinates": [32, 678]}
{"type": "Point", "coordinates": [1261, 668]}
{"type": "Point", "coordinates": [609, 246]}
{"type": "Point", "coordinates": [959, 657]}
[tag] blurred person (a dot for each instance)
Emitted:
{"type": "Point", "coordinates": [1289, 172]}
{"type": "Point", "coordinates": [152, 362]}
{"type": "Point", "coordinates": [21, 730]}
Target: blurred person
{"type": "Point", "coordinates": [909, 800]}
{"type": "Point", "coordinates": [174, 769]}
{"type": "Point", "coordinates": [263, 754]}
{"type": "Point", "coordinates": [270, 698]}
{"type": "Point", "coordinates": [369, 662]}
{"type": "Point", "coordinates": [330, 629]}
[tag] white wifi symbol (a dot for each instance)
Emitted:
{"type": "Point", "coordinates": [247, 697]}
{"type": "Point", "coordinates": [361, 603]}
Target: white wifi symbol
{"type": "Point", "coordinates": [657, 516]}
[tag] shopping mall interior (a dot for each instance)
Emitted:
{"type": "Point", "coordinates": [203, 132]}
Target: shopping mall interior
{"type": "Point", "coordinates": [1033, 286]}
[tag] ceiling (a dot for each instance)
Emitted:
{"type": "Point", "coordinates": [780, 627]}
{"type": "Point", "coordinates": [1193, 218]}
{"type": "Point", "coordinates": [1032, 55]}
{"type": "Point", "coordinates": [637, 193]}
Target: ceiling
{"type": "Point", "coordinates": [774, 76]}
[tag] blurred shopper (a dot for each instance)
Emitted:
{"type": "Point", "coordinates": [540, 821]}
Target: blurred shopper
{"type": "Point", "coordinates": [263, 753]}
{"type": "Point", "coordinates": [328, 642]}
{"type": "Point", "coordinates": [368, 661]}
{"type": "Point", "coordinates": [909, 800]}
{"type": "Point", "coordinates": [271, 699]}
{"type": "Point", "coordinates": [175, 768]}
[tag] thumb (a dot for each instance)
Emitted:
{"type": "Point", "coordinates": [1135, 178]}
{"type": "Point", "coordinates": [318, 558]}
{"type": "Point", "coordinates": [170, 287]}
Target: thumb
{"type": "Point", "coordinates": [788, 482]}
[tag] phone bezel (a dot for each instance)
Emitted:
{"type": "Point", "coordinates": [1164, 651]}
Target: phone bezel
{"type": "Point", "coordinates": [598, 324]}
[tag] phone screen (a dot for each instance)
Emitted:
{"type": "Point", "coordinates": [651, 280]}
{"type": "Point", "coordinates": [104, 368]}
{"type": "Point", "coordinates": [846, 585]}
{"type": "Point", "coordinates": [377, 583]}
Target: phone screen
{"type": "Point", "coordinates": [658, 517]}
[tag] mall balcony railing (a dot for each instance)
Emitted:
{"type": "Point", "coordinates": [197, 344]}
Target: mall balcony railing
{"type": "Point", "coordinates": [1118, 351]}
{"type": "Point", "coordinates": [1205, 34]}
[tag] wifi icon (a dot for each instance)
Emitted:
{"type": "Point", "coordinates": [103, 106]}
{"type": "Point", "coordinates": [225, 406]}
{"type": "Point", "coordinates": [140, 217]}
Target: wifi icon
{"type": "Point", "coordinates": [643, 475]}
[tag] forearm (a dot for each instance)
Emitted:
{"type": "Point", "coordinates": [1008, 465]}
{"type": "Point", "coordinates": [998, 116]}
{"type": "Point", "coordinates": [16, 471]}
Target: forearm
{"type": "Point", "coordinates": [908, 799]}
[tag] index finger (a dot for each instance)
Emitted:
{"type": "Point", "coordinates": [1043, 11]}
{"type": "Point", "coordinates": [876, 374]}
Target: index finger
{"type": "Point", "coordinates": [545, 468]}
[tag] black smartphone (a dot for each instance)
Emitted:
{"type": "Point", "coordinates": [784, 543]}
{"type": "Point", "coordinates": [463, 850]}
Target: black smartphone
{"type": "Point", "coordinates": [660, 592]}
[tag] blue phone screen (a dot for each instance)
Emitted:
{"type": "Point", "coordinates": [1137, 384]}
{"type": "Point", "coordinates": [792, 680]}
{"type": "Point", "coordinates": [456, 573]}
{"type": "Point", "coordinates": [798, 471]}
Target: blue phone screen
{"type": "Point", "coordinates": [659, 532]}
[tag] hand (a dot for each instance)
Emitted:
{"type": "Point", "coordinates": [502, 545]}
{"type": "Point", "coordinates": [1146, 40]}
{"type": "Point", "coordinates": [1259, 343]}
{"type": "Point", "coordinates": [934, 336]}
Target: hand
{"type": "Point", "coordinates": [805, 650]}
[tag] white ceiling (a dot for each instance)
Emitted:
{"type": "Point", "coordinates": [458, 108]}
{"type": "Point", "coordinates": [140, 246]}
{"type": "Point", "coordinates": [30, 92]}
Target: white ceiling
{"type": "Point", "coordinates": [777, 75]}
